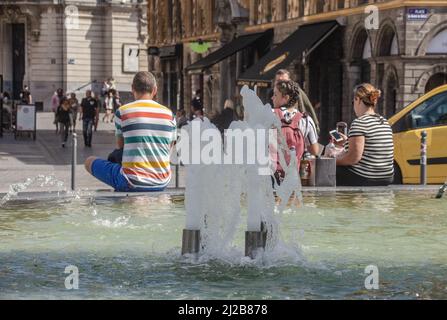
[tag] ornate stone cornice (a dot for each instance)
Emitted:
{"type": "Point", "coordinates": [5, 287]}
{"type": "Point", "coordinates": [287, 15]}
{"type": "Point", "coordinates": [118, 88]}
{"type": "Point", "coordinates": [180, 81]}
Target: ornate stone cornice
{"type": "Point", "coordinates": [13, 14]}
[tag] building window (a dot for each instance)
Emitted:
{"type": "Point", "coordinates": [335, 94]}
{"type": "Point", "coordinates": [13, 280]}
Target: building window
{"type": "Point", "coordinates": [320, 6]}
{"type": "Point", "coordinates": [438, 45]}
{"type": "Point", "coordinates": [435, 81]}
{"type": "Point", "coordinates": [284, 9]}
{"type": "Point", "coordinates": [388, 45]}
{"type": "Point", "coordinates": [301, 8]}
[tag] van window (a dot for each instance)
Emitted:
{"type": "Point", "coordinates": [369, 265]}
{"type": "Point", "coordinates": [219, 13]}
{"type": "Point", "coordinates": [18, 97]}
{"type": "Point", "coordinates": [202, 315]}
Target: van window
{"type": "Point", "coordinates": [431, 112]}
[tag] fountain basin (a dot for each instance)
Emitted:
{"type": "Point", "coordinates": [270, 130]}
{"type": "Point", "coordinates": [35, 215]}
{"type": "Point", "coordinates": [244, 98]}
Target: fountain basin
{"type": "Point", "coordinates": [130, 247]}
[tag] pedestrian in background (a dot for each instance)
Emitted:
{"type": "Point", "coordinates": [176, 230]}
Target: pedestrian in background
{"type": "Point", "coordinates": [25, 96]}
{"type": "Point", "coordinates": [181, 118]}
{"type": "Point", "coordinates": [116, 103]}
{"type": "Point", "coordinates": [196, 110]}
{"type": "Point", "coordinates": [63, 117]}
{"type": "Point", "coordinates": [196, 104]}
{"type": "Point", "coordinates": [227, 116]}
{"type": "Point", "coordinates": [74, 106]}
{"type": "Point", "coordinates": [89, 115]}
{"type": "Point", "coordinates": [108, 106]}
{"type": "Point", "coordinates": [55, 103]}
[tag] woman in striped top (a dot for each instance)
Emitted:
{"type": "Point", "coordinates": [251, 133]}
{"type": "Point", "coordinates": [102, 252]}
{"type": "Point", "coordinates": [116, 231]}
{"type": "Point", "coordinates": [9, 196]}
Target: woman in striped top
{"type": "Point", "coordinates": [369, 150]}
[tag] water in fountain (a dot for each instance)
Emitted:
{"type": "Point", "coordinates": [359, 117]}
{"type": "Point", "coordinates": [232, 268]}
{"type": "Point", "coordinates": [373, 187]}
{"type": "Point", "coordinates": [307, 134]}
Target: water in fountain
{"type": "Point", "coordinates": [42, 181]}
{"type": "Point", "coordinates": [214, 187]}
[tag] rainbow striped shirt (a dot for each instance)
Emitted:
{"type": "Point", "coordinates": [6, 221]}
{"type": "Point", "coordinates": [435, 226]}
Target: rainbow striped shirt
{"type": "Point", "coordinates": [148, 129]}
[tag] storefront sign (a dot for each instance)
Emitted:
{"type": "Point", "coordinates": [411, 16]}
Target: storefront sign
{"type": "Point", "coordinates": [26, 118]}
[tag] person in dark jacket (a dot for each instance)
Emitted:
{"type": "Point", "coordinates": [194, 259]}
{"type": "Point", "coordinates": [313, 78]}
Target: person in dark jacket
{"type": "Point", "coordinates": [63, 117]}
{"type": "Point", "coordinates": [227, 116]}
{"type": "Point", "coordinates": [90, 115]}
{"type": "Point", "coordinates": [181, 118]}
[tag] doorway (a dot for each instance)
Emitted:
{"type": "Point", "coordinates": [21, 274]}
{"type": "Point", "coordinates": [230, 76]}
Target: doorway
{"type": "Point", "coordinates": [18, 58]}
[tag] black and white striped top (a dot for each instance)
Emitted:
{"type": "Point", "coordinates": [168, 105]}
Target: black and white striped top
{"type": "Point", "coordinates": [378, 154]}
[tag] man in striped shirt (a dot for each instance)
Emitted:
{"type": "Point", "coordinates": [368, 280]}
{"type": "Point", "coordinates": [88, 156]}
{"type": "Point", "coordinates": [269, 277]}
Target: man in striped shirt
{"type": "Point", "coordinates": [145, 130]}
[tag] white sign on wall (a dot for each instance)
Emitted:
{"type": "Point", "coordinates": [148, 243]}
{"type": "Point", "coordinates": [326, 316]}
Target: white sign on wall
{"type": "Point", "coordinates": [26, 117]}
{"type": "Point", "coordinates": [131, 58]}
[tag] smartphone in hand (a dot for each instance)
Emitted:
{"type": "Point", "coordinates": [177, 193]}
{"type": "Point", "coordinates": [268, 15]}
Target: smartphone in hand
{"type": "Point", "coordinates": [336, 135]}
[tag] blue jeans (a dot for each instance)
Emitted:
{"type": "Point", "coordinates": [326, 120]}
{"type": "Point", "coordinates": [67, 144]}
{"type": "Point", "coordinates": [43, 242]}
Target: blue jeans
{"type": "Point", "coordinates": [87, 128]}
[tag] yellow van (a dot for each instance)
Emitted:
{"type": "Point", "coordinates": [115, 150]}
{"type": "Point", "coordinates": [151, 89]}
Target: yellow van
{"type": "Point", "coordinates": [428, 113]}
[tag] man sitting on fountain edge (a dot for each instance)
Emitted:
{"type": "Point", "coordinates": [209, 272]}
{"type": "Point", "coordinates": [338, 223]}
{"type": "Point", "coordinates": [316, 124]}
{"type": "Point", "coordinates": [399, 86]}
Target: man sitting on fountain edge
{"type": "Point", "coordinates": [145, 130]}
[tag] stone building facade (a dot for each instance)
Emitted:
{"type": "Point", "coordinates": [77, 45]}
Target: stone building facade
{"type": "Point", "coordinates": [71, 44]}
{"type": "Point", "coordinates": [405, 56]}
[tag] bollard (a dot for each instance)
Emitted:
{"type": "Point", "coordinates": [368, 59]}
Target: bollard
{"type": "Point", "coordinates": [424, 157]}
{"type": "Point", "coordinates": [74, 161]}
{"type": "Point", "coordinates": [1, 116]}
{"type": "Point", "coordinates": [190, 241]}
{"type": "Point", "coordinates": [441, 191]}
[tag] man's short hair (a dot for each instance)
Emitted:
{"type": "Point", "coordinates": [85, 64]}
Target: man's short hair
{"type": "Point", "coordinates": [144, 82]}
{"type": "Point", "coordinates": [282, 72]}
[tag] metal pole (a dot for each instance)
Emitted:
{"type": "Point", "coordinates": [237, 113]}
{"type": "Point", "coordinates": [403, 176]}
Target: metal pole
{"type": "Point", "coordinates": [254, 241]}
{"type": "Point", "coordinates": [424, 157]}
{"type": "Point", "coordinates": [74, 161]}
{"type": "Point", "coordinates": [177, 167]}
{"type": "Point", "coordinates": [190, 241]}
{"type": "Point", "coordinates": [1, 117]}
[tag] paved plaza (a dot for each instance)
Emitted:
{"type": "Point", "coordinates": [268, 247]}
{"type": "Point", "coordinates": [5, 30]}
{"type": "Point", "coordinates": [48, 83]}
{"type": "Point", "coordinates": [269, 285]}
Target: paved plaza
{"type": "Point", "coordinates": [24, 158]}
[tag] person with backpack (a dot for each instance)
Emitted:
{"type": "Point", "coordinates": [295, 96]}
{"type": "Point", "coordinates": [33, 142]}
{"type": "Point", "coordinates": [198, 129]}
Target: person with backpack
{"type": "Point", "coordinates": [285, 103]}
{"type": "Point", "coordinates": [304, 104]}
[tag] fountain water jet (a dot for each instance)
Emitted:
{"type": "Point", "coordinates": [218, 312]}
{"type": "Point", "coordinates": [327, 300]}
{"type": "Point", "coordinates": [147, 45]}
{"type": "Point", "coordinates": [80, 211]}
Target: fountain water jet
{"type": "Point", "coordinates": [214, 188]}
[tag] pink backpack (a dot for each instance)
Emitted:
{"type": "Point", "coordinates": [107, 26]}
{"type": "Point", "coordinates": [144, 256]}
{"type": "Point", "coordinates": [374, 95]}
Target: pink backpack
{"type": "Point", "coordinates": [293, 136]}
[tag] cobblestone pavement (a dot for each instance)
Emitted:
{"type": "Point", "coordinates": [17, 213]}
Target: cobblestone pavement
{"type": "Point", "coordinates": [24, 158]}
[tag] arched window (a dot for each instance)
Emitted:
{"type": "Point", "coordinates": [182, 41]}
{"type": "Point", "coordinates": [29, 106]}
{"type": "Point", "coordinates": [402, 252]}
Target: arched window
{"type": "Point", "coordinates": [438, 45]}
{"type": "Point", "coordinates": [362, 51]}
{"type": "Point", "coordinates": [435, 81]}
{"type": "Point", "coordinates": [394, 47]}
{"type": "Point", "coordinates": [388, 45]}
{"type": "Point", "coordinates": [367, 50]}
{"type": "Point", "coordinates": [391, 95]}
{"type": "Point", "coordinates": [320, 6]}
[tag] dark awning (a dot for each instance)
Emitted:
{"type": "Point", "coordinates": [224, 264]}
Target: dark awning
{"type": "Point", "coordinates": [302, 41]}
{"type": "Point", "coordinates": [227, 50]}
